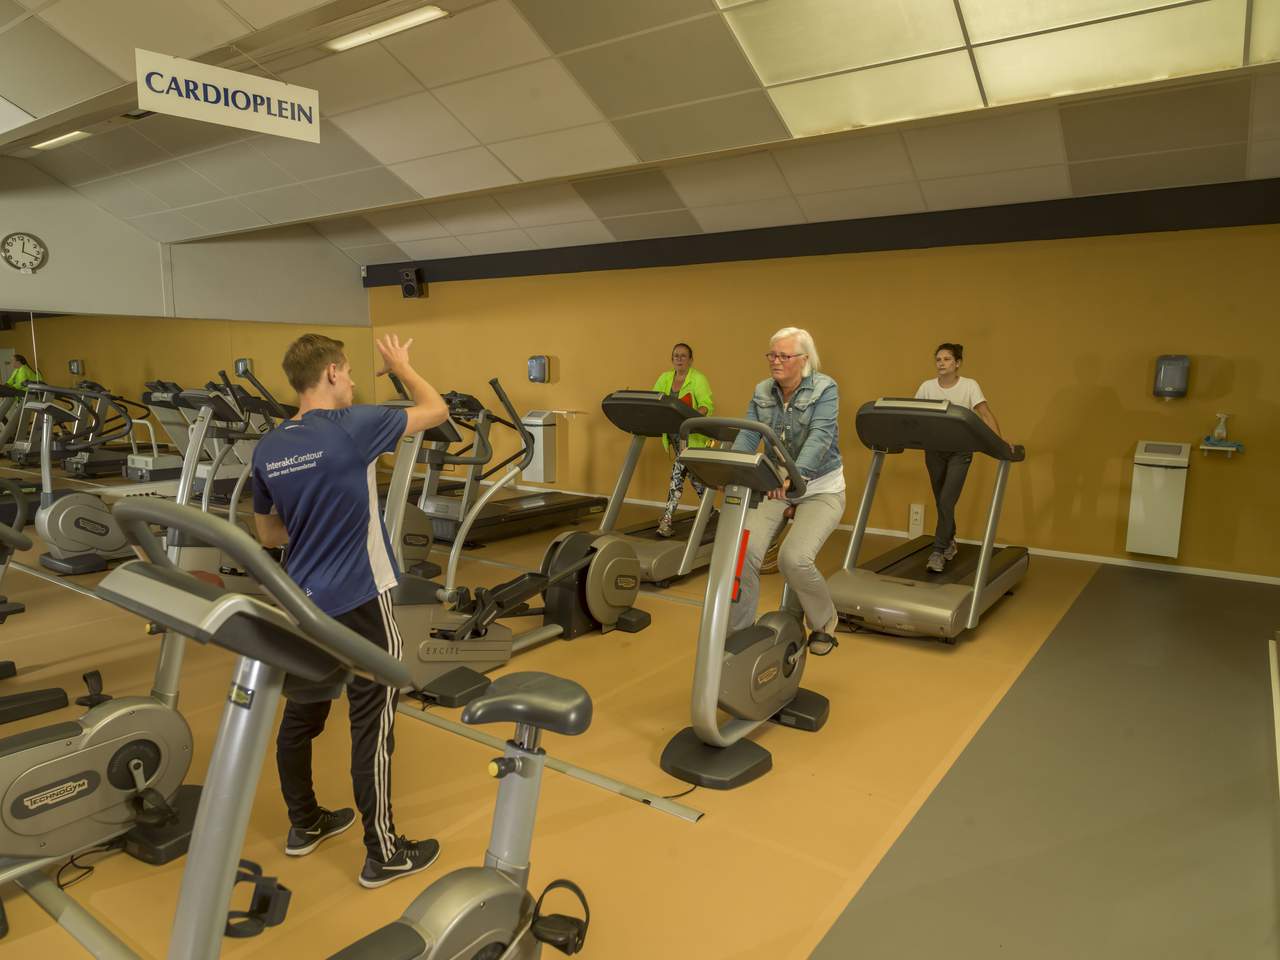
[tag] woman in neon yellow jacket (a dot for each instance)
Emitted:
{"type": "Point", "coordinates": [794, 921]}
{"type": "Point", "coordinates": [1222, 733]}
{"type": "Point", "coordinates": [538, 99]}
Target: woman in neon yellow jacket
{"type": "Point", "coordinates": [22, 372]}
{"type": "Point", "coordinates": [688, 385]}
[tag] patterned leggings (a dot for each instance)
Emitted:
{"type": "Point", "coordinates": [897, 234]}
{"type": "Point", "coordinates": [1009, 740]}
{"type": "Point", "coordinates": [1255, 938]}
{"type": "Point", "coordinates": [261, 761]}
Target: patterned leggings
{"type": "Point", "coordinates": [678, 473]}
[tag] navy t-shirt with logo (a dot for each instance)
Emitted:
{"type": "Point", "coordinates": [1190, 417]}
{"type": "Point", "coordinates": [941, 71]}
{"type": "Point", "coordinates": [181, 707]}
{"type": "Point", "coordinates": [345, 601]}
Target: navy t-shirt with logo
{"type": "Point", "coordinates": [319, 473]}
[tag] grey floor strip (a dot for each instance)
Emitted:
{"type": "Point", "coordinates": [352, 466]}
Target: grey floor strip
{"type": "Point", "coordinates": [1120, 802]}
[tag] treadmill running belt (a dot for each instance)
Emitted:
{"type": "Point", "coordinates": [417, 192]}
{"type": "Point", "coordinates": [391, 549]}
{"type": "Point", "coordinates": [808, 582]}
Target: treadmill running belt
{"type": "Point", "coordinates": [680, 528]}
{"type": "Point", "coordinates": [961, 569]}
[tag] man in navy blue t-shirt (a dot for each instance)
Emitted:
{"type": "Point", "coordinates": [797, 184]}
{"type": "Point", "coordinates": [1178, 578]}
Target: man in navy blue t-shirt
{"type": "Point", "coordinates": [315, 488]}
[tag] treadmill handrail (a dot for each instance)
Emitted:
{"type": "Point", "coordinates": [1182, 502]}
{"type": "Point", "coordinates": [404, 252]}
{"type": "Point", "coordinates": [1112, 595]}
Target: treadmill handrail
{"type": "Point", "coordinates": [708, 424]}
{"type": "Point", "coordinates": [941, 426]}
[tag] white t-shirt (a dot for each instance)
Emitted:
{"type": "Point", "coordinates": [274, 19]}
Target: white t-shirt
{"type": "Point", "coordinates": [966, 393]}
{"type": "Point", "coordinates": [830, 482]}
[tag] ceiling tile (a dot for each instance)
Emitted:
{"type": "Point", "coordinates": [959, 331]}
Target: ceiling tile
{"type": "Point", "coordinates": [474, 169]}
{"type": "Point", "coordinates": [489, 38]}
{"type": "Point", "coordinates": [223, 215]}
{"type": "Point", "coordinates": [993, 19]}
{"type": "Point", "coordinates": [440, 249]}
{"type": "Point", "coordinates": [628, 193]}
{"type": "Point", "coordinates": [357, 78]}
{"type": "Point", "coordinates": [774, 212]}
{"type": "Point", "coordinates": [928, 87]}
{"type": "Point", "coordinates": [42, 73]}
{"type": "Point", "coordinates": [260, 13]}
{"type": "Point", "coordinates": [1264, 159]}
{"type": "Point", "coordinates": [405, 129]}
{"type": "Point", "coordinates": [540, 206]}
{"type": "Point", "coordinates": [646, 226]}
{"type": "Point", "coordinates": [378, 253]}
{"type": "Point", "coordinates": [109, 32]}
{"type": "Point", "coordinates": [9, 11]}
{"type": "Point", "coordinates": [1177, 168]}
{"type": "Point", "coordinates": [335, 153]}
{"type": "Point", "coordinates": [993, 189]}
{"type": "Point", "coordinates": [356, 191]}
{"type": "Point", "coordinates": [754, 176]}
{"type": "Point", "coordinates": [121, 196]}
{"type": "Point", "coordinates": [563, 153]}
{"type": "Point", "coordinates": [570, 234]}
{"type": "Point", "coordinates": [1265, 34]}
{"type": "Point", "coordinates": [862, 161]}
{"type": "Point", "coordinates": [811, 38]}
{"type": "Point", "coordinates": [886, 200]}
{"type": "Point", "coordinates": [239, 168]}
{"type": "Point", "coordinates": [167, 227]}
{"type": "Point", "coordinates": [518, 102]}
{"type": "Point", "coordinates": [407, 223]}
{"type": "Point", "coordinates": [12, 117]}
{"type": "Point", "coordinates": [1168, 120]}
{"type": "Point", "coordinates": [1266, 107]}
{"type": "Point", "coordinates": [178, 135]}
{"type": "Point", "coordinates": [350, 232]}
{"type": "Point", "coordinates": [70, 165]}
{"type": "Point", "coordinates": [1178, 41]}
{"type": "Point", "coordinates": [500, 241]}
{"type": "Point", "coordinates": [569, 24]}
{"type": "Point", "coordinates": [688, 61]}
{"type": "Point", "coordinates": [176, 184]}
{"type": "Point", "coordinates": [122, 149]}
{"type": "Point", "coordinates": [739, 121]}
{"type": "Point", "coordinates": [472, 215]}
{"type": "Point", "coordinates": [1009, 142]}
{"type": "Point", "coordinates": [294, 202]}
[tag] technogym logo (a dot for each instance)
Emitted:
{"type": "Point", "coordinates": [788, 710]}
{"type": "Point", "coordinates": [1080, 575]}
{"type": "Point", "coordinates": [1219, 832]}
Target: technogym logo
{"type": "Point", "coordinates": [53, 795]}
{"type": "Point", "coordinates": [185, 88]}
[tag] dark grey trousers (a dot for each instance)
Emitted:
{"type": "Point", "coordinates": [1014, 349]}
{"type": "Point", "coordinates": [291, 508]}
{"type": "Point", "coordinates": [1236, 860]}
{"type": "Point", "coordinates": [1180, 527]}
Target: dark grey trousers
{"type": "Point", "coordinates": [946, 475]}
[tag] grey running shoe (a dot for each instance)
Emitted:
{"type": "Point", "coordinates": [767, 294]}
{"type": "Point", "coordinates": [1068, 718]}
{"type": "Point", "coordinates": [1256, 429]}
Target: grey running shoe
{"type": "Point", "coordinates": [329, 824]}
{"type": "Point", "coordinates": [951, 551]}
{"type": "Point", "coordinates": [411, 856]}
{"type": "Point", "coordinates": [935, 562]}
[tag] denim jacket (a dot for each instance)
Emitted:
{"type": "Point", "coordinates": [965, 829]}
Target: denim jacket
{"type": "Point", "coordinates": [807, 426]}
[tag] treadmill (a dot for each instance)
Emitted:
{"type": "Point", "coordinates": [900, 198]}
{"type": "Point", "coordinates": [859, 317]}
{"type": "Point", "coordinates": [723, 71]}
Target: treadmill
{"type": "Point", "coordinates": [505, 516]}
{"type": "Point", "coordinates": [895, 593]}
{"type": "Point", "coordinates": [645, 414]}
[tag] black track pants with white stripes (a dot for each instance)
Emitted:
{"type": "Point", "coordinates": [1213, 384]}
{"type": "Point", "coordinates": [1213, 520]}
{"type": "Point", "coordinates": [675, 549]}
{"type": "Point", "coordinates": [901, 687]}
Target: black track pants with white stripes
{"type": "Point", "coordinates": [373, 715]}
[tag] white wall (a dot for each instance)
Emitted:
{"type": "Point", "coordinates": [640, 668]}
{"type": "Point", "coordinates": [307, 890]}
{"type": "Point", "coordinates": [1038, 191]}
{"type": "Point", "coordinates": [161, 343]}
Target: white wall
{"type": "Point", "coordinates": [97, 263]}
{"type": "Point", "coordinates": [287, 275]}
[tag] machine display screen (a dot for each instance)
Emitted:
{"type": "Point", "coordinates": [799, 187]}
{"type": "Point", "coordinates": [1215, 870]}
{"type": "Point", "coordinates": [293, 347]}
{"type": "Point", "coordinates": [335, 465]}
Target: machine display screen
{"type": "Point", "coordinates": [1172, 449]}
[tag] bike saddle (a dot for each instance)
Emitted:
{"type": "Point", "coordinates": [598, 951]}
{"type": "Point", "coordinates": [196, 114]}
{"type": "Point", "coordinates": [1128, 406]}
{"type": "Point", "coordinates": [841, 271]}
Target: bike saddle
{"type": "Point", "coordinates": [536, 699]}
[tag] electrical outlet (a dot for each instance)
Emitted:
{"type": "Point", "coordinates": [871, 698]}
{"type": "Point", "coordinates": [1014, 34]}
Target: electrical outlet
{"type": "Point", "coordinates": [915, 520]}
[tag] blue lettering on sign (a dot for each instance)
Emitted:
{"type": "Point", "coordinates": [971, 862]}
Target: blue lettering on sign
{"type": "Point", "coordinates": [216, 96]}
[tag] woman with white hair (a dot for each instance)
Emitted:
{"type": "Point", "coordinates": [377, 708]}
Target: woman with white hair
{"type": "Point", "coordinates": [801, 405]}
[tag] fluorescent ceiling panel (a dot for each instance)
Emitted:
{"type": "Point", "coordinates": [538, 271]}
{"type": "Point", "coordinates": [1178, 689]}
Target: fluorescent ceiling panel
{"type": "Point", "coordinates": [997, 19]}
{"type": "Point", "coordinates": [1188, 40]}
{"type": "Point", "coordinates": [864, 98]}
{"type": "Point", "coordinates": [798, 39]}
{"type": "Point", "coordinates": [1264, 37]}
{"type": "Point", "coordinates": [387, 28]}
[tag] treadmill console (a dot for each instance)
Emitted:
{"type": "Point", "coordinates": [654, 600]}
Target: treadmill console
{"type": "Point", "coordinates": [650, 413]}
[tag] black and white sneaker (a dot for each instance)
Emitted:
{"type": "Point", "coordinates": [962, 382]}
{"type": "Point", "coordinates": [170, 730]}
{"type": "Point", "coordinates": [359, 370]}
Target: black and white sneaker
{"type": "Point", "coordinates": [411, 856]}
{"type": "Point", "coordinates": [330, 824]}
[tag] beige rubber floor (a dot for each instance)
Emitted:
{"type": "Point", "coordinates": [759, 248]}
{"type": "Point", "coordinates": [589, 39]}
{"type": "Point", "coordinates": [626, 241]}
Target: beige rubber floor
{"type": "Point", "coordinates": [760, 877]}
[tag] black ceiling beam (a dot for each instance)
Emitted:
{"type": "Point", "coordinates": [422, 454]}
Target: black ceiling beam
{"type": "Point", "coordinates": [1241, 203]}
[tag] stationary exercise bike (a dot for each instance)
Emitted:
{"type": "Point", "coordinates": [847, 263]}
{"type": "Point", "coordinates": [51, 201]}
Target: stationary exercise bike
{"type": "Point", "coordinates": [76, 526]}
{"type": "Point", "coordinates": [754, 673]}
{"type": "Point", "coordinates": [288, 644]}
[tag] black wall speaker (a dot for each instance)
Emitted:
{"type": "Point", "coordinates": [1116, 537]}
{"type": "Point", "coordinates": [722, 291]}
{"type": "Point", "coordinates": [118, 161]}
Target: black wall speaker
{"type": "Point", "coordinates": [411, 284]}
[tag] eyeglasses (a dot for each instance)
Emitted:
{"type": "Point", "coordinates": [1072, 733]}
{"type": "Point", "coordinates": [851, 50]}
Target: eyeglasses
{"type": "Point", "coordinates": [781, 357]}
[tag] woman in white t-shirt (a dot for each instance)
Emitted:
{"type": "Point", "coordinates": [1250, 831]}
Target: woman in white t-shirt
{"type": "Point", "coordinates": [947, 470]}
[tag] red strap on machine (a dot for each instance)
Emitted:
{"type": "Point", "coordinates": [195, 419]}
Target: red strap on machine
{"type": "Point", "coordinates": [742, 558]}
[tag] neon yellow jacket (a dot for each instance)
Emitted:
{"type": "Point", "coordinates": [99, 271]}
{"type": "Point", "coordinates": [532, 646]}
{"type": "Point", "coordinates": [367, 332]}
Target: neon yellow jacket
{"type": "Point", "coordinates": [698, 390]}
{"type": "Point", "coordinates": [20, 376]}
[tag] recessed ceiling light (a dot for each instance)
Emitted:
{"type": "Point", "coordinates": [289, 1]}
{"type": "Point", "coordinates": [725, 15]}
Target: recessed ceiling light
{"type": "Point", "coordinates": [387, 27]}
{"type": "Point", "coordinates": [62, 141]}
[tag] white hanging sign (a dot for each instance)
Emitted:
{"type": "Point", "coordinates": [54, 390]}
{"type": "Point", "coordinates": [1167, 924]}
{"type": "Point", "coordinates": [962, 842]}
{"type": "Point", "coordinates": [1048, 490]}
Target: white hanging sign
{"type": "Point", "coordinates": [198, 91]}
